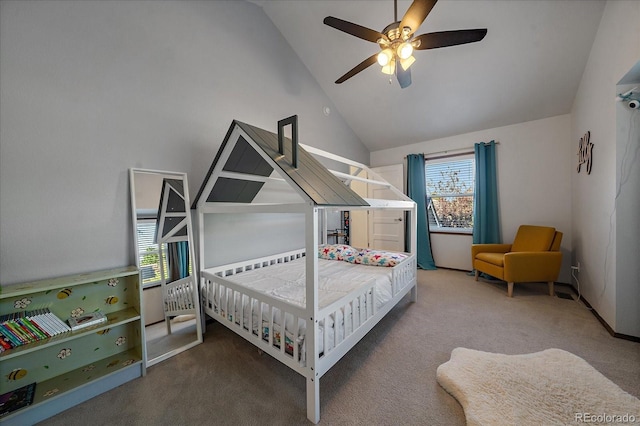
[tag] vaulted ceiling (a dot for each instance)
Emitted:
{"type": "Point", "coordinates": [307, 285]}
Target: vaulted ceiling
{"type": "Point", "coordinates": [528, 66]}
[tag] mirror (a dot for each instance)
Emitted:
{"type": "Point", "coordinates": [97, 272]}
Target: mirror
{"type": "Point", "coordinates": [163, 240]}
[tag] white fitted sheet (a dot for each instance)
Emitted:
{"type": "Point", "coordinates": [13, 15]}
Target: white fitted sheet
{"type": "Point", "coordinates": [286, 281]}
{"type": "Point", "coordinates": [336, 279]}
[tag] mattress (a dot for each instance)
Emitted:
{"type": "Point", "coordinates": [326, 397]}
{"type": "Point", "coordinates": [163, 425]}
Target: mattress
{"type": "Point", "coordinates": [286, 282]}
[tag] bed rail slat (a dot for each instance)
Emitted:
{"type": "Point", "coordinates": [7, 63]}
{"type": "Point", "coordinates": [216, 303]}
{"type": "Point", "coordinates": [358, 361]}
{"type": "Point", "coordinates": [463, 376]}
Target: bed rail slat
{"type": "Point", "coordinates": [283, 333]}
{"type": "Point", "coordinates": [296, 332]}
{"type": "Point", "coordinates": [271, 333]}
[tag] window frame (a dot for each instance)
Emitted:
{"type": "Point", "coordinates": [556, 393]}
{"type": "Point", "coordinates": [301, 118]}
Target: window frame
{"type": "Point", "coordinates": [452, 158]}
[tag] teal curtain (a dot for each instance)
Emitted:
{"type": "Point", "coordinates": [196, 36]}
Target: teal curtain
{"type": "Point", "coordinates": [417, 191]}
{"type": "Point", "coordinates": [178, 260]}
{"type": "Point", "coordinates": [486, 221]}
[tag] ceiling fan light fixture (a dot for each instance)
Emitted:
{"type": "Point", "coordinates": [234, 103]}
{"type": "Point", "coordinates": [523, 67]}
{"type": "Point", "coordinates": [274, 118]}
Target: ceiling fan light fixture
{"type": "Point", "coordinates": [385, 57]}
{"type": "Point", "coordinates": [406, 63]}
{"type": "Point", "coordinates": [397, 40]}
{"type": "Point", "coordinates": [405, 50]}
{"type": "Point", "coordinates": [389, 68]}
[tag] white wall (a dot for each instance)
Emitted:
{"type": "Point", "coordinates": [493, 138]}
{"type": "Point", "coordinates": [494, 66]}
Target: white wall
{"type": "Point", "coordinates": [628, 225]}
{"type": "Point", "coordinates": [269, 233]}
{"type": "Point", "coordinates": [90, 89]}
{"type": "Point", "coordinates": [595, 226]}
{"type": "Point", "coordinates": [534, 163]}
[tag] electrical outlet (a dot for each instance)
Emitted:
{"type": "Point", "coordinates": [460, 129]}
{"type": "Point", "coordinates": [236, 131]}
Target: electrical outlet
{"type": "Point", "coordinates": [576, 268]}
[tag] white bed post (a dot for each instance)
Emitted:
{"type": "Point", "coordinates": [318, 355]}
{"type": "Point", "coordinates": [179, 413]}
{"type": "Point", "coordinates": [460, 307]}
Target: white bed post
{"type": "Point", "coordinates": [324, 230]}
{"type": "Point", "coordinates": [313, 381]}
{"type": "Point", "coordinates": [203, 318]}
{"type": "Point", "coordinates": [414, 246]}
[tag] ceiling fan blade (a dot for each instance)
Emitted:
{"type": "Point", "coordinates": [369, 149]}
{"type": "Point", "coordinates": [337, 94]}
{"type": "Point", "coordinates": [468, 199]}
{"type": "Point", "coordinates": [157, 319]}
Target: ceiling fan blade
{"type": "Point", "coordinates": [416, 14]}
{"type": "Point", "coordinates": [354, 29]}
{"type": "Point", "coordinates": [449, 38]}
{"type": "Point", "coordinates": [404, 76]}
{"type": "Point", "coordinates": [360, 67]}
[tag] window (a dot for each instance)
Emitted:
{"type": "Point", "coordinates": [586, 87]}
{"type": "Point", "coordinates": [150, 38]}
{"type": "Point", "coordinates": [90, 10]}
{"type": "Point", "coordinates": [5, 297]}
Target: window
{"type": "Point", "coordinates": [450, 186]}
{"type": "Point", "coordinates": [148, 253]}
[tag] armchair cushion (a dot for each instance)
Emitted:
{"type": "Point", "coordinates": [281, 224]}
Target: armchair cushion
{"type": "Point", "coordinates": [533, 238]}
{"type": "Point", "coordinates": [493, 258]}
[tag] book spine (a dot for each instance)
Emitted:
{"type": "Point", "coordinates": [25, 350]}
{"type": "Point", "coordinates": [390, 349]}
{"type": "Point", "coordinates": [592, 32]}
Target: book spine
{"type": "Point", "coordinates": [41, 335]}
{"type": "Point", "coordinates": [60, 326]}
{"type": "Point", "coordinates": [52, 324]}
{"type": "Point", "coordinates": [16, 332]}
{"type": "Point", "coordinates": [26, 330]}
{"type": "Point", "coordinates": [44, 320]}
{"type": "Point", "coordinates": [6, 337]}
{"type": "Point", "coordinates": [8, 332]}
{"type": "Point", "coordinates": [37, 322]}
{"type": "Point", "coordinates": [4, 343]}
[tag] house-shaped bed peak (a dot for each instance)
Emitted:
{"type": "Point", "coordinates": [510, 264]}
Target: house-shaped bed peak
{"type": "Point", "coordinates": [249, 169]}
{"type": "Point", "coordinates": [171, 224]}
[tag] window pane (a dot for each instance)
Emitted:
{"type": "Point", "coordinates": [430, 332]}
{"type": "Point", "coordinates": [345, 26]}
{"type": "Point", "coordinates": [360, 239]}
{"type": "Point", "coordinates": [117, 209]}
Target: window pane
{"type": "Point", "coordinates": [148, 253]}
{"type": "Point", "coordinates": [451, 212]}
{"type": "Point", "coordinates": [450, 185]}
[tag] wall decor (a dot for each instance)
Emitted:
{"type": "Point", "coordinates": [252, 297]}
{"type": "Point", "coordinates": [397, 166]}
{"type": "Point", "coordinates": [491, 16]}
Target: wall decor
{"type": "Point", "coordinates": [585, 148]}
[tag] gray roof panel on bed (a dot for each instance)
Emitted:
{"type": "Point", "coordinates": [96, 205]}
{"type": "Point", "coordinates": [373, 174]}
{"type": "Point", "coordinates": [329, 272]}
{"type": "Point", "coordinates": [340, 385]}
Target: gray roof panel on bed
{"type": "Point", "coordinates": [245, 159]}
{"type": "Point", "coordinates": [173, 191]}
{"type": "Point", "coordinates": [228, 190]}
{"type": "Point", "coordinates": [318, 183]}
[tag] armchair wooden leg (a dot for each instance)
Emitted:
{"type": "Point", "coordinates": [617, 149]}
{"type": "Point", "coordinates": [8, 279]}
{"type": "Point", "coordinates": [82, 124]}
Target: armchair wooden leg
{"type": "Point", "coordinates": [477, 274]}
{"type": "Point", "coordinates": [551, 288]}
{"type": "Point", "coordinates": [510, 289]}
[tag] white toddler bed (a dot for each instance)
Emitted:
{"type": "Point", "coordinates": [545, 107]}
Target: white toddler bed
{"type": "Point", "coordinates": [301, 315]}
{"type": "Point", "coordinates": [349, 295]}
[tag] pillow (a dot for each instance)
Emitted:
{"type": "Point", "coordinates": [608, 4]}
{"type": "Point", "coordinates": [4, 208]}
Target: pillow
{"type": "Point", "coordinates": [335, 251]}
{"type": "Point", "coordinates": [376, 258]}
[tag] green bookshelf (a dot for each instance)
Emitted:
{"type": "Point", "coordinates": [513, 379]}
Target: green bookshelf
{"type": "Point", "coordinates": [71, 367]}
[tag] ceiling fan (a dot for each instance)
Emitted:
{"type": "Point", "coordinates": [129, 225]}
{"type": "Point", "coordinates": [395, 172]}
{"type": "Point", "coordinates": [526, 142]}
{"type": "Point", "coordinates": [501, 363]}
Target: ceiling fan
{"type": "Point", "coordinates": [397, 41]}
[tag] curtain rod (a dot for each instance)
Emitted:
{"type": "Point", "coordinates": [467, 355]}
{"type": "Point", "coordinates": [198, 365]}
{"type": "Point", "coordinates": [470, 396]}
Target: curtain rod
{"type": "Point", "coordinates": [470, 151]}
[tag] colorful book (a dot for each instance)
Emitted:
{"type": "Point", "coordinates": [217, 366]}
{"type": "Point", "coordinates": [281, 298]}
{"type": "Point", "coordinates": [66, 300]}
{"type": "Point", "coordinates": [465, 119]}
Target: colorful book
{"type": "Point", "coordinates": [26, 321]}
{"type": "Point", "coordinates": [5, 342]}
{"type": "Point", "coordinates": [16, 399]}
{"type": "Point", "coordinates": [21, 328]}
{"type": "Point", "coordinates": [8, 334]}
{"type": "Point", "coordinates": [41, 331]}
{"type": "Point", "coordinates": [16, 332]}
{"type": "Point", "coordinates": [26, 330]}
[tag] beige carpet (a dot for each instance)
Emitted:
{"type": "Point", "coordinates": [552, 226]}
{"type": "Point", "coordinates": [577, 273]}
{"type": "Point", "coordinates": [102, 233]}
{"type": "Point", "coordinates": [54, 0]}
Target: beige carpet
{"type": "Point", "coordinates": [551, 387]}
{"type": "Point", "coordinates": [388, 378]}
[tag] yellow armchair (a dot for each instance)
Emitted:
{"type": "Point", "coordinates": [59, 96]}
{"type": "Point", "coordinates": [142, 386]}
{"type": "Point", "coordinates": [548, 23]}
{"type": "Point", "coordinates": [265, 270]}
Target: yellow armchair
{"type": "Point", "coordinates": [534, 256]}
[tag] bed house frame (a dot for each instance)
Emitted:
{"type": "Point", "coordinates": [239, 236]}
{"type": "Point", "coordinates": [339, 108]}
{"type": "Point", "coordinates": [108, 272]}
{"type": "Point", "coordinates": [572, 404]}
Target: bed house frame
{"type": "Point", "coordinates": [257, 171]}
{"type": "Point", "coordinates": [180, 294]}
